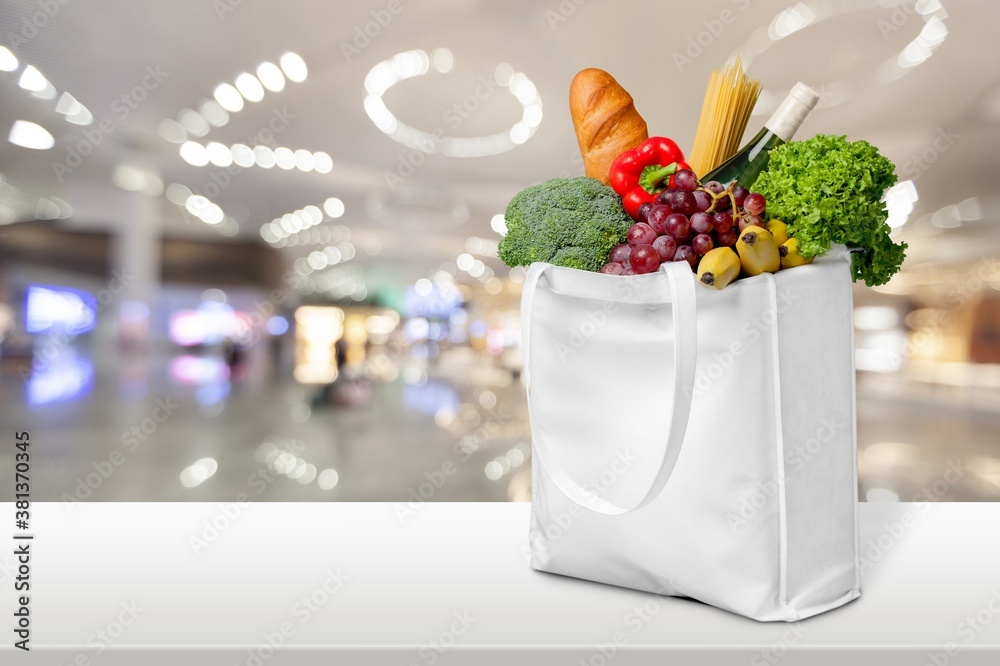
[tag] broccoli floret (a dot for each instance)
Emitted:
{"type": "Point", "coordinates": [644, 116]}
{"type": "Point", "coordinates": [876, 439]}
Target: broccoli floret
{"type": "Point", "coordinates": [570, 222]}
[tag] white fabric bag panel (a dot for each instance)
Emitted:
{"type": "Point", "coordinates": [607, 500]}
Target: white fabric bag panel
{"type": "Point", "coordinates": [604, 408]}
{"type": "Point", "coordinates": [659, 311]}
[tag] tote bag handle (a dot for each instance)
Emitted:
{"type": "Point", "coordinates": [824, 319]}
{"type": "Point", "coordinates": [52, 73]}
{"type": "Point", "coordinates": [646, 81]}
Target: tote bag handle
{"type": "Point", "coordinates": [678, 289]}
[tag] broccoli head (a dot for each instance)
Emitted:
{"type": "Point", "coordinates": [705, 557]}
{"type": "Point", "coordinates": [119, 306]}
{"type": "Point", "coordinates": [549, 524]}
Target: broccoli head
{"type": "Point", "coordinates": [571, 222]}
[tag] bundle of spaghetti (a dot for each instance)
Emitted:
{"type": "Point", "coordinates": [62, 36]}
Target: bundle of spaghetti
{"type": "Point", "coordinates": [729, 98]}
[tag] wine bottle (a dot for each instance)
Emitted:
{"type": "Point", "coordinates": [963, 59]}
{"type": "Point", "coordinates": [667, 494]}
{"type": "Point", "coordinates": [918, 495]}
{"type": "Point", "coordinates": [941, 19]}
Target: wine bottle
{"type": "Point", "coordinates": [750, 160]}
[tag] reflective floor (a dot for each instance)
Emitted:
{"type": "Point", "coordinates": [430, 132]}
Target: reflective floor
{"type": "Point", "coordinates": [435, 433]}
{"type": "Point", "coordinates": [172, 427]}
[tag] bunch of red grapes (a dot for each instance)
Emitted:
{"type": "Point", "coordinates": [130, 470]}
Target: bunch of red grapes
{"type": "Point", "coordinates": [683, 223]}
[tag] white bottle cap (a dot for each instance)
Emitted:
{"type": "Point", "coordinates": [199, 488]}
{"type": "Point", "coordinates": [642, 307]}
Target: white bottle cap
{"type": "Point", "coordinates": [787, 118]}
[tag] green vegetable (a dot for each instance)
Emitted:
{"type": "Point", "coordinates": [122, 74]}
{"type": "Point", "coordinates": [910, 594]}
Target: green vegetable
{"type": "Point", "coordinates": [567, 222]}
{"type": "Point", "coordinates": [829, 190]}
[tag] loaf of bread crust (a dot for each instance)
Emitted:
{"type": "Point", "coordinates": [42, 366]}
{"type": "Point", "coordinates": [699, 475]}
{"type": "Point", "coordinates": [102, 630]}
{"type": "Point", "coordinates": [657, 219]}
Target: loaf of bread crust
{"type": "Point", "coordinates": [605, 120]}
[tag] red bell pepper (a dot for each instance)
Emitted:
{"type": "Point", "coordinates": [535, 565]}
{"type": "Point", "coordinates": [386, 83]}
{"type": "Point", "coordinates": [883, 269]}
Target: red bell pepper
{"type": "Point", "coordinates": [638, 175]}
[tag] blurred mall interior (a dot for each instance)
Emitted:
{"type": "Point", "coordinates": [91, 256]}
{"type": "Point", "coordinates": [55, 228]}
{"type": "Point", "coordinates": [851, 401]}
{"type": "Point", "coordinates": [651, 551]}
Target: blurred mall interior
{"type": "Point", "coordinates": [250, 247]}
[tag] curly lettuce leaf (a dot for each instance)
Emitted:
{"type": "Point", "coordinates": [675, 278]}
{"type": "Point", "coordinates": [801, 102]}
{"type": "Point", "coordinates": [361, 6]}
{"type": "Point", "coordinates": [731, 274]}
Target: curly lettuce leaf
{"type": "Point", "coordinates": [829, 190]}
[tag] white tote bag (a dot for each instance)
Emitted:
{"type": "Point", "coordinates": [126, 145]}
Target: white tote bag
{"type": "Point", "coordinates": [693, 442]}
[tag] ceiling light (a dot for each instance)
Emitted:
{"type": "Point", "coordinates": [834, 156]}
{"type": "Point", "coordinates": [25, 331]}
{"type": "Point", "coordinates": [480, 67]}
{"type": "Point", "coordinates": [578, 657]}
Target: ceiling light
{"type": "Point", "coordinates": [499, 224]}
{"type": "Point", "coordinates": [196, 204]}
{"type": "Point", "coordinates": [213, 214]}
{"type": "Point", "coordinates": [250, 87]}
{"type": "Point", "coordinates": [172, 131]}
{"type": "Point", "coordinates": [304, 160]}
{"type": "Point", "coordinates": [178, 194]}
{"type": "Point", "coordinates": [929, 7]}
{"type": "Point", "coordinates": [519, 133]}
{"type": "Point", "coordinates": [129, 178]}
{"type": "Point", "coordinates": [264, 157]}
{"type": "Point", "coordinates": [8, 62]}
{"type": "Point", "coordinates": [380, 78]}
{"type": "Point", "coordinates": [334, 207]}
{"type": "Point", "coordinates": [32, 80]}
{"type": "Point", "coordinates": [532, 116]}
{"type": "Point", "coordinates": [934, 32]}
{"type": "Point", "coordinates": [48, 92]}
{"type": "Point", "coordinates": [526, 92]}
{"type": "Point", "coordinates": [945, 218]}
{"type": "Point", "coordinates": [380, 114]}
{"type": "Point", "coordinates": [791, 20]}
{"type": "Point", "coordinates": [314, 213]}
{"type": "Point", "coordinates": [899, 200]}
{"type": "Point", "coordinates": [75, 112]}
{"type": "Point", "coordinates": [408, 64]}
{"type": "Point", "coordinates": [214, 113]}
{"type": "Point", "coordinates": [218, 154]}
{"type": "Point", "coordinates": [333, 254]}
{"type": "Point", "coordinates": [920, 49]}
{"type": "Point", "coordinates": [443, 60]}
{"type": "Point", "coordinates": [27, 134]}
{"type": "Point", "coordinates": [322, 162]}
{"type": "Point", "coordinates": [193, 123]}
{"type": "Point", "coordinates": [46, 210]}
{"type": "Point", "coordinates": [284, 158]}
{"type": "Point", "coordinates": [294, 67]}
{"type": "Point", "coordinates": [65, 210]}
{"type": "Point", "coordinates": [807, 14]}
{"type": "Point", "coordinates": [67, 105]}
{"type": "Point", "coordinates": [969, 209]}
{"type": "Point", "coordinates": [228, 97]}
{"type": "Point", "coordinates": [267, 233]}
{"type": "Point", "coordinates": [318, 260]}
{"type": "Point", "coordinates": [503, 73]}
{"type": "Point", "coordinates": [81, 117]}
{"type": "Point", "coordinates": [270, 75]}
{"type": "Point", "coordinates": [242, 155]}
{"type": "Point", "coordinates": [194, 153]}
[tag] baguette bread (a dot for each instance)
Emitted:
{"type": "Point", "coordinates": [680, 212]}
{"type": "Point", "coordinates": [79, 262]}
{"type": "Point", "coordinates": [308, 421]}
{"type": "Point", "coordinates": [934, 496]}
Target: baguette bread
{"type": "Point", "coordinates": [605, 120]}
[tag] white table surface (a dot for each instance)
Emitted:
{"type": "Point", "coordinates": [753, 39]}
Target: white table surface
{"type": "Point", "coordinates": [405, 583]}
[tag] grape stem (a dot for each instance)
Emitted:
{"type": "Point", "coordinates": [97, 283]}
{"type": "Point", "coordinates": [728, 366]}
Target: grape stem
{"type": "Point", "coordinates": [728, 192]}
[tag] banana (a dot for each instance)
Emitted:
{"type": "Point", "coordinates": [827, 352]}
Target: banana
{"type": "Point", "coordinates": [718, 268]}
{"type": "Point", "coordinates": [790, 257]}
{"type": "Point", "coordinates": [758, 251]}
{"type": "Point", "coordinates": [778, 229]}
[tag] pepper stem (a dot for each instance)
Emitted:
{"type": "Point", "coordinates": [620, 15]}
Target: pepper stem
{"type": "Point", "coordinates": [653, 176]}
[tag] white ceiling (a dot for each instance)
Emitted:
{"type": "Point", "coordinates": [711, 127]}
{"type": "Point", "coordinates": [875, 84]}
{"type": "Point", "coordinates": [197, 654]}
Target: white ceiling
{"type": "Point", "coordinates": [99, 50]}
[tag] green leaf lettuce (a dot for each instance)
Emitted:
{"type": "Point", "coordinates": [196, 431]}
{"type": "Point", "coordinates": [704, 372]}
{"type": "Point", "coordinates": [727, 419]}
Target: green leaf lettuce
{"type": "Point", "coordinates": [829, 190]}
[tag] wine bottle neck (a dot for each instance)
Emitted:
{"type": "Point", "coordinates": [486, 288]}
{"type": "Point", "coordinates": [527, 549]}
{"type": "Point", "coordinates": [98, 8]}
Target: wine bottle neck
{"type": "Point", "coordinates": [788, 117]}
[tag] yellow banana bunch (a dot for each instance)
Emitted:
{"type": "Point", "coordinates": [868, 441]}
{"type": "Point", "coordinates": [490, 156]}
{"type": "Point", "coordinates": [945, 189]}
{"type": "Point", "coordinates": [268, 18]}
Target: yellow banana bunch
{"type": "Point", "coordinates": [758, 251]}
{"type": "Point", "coordinates": [718, 267]}
{"type": "Point", "coordinates": [778, 229]}
{"type": "Point", "coordinates": [790, 257]}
